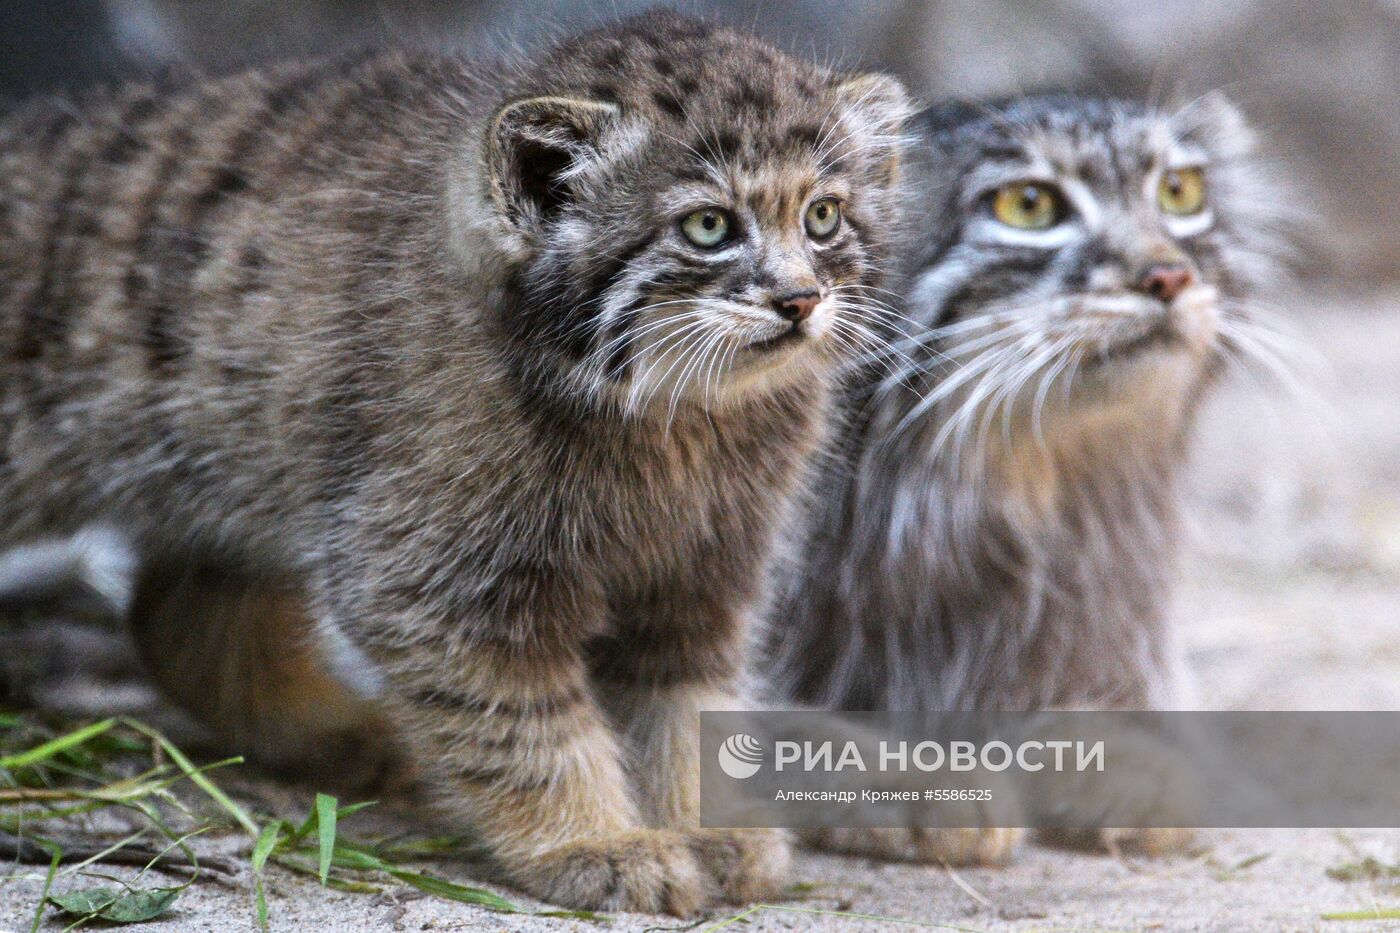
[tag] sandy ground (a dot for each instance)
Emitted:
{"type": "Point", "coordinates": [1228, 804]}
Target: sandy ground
{"type": "Point", "coordinates": [1291, 601]}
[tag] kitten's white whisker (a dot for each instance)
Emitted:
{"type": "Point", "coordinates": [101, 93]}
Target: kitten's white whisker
{"type": "Point", "coordinates": [677, 340]}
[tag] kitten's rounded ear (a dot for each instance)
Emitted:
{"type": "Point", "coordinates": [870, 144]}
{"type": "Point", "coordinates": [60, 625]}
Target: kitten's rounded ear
{"type": "Point", "coordinates": [879, 107]}
{"type": "Point", "coordinates": [1215, 122]}
{"type": "Point", "coordinates": [533, 148]}
{"type": "Point", "coordinates": [877, 100]}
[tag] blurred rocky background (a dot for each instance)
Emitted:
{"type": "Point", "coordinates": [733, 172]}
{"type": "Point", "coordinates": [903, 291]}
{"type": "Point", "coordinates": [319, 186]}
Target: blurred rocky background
{"type": "Point", "coordinates": [1291, 595]}
{"type": "Point", "coordinates": [1321, 80]}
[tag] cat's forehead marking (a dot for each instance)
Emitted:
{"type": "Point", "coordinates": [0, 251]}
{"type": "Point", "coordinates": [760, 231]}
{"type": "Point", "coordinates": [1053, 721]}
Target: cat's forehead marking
{"type": "Point", "coordinates": [771, 193]}
{"type": "Point", "coordinates": [775, 193]}
{"type": "Point", "coordinates": [1090, 158]}
{"type": "Point", "coordinates": [686, 74]}
{"type": "Point", "coordinates": [1107, 158]}
{"type": "Point", "coordinates": [718, 93]}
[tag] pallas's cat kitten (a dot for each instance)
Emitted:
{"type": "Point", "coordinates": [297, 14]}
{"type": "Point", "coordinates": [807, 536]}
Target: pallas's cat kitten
{"type": "Point", "coordinates": [1001, 531]}
{"type": "Point", "coordinates": [506, 378]}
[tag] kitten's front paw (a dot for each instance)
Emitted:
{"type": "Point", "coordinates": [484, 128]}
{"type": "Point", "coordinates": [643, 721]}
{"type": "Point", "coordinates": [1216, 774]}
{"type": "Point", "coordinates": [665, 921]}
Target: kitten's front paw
{"type": "Point", "coordinates": [746, 864]}
{"type": "Point", "coordinates": [647, 871]}
{"type": "Point", "coordinates": [662, 871]}
{"type": "Point", "coordinates": [964, 846]}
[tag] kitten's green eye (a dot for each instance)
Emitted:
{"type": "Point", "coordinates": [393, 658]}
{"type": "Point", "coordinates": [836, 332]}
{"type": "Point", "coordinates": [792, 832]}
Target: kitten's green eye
{"type": "Point", "coordinates": [707, 227]}
{"type": "Point", "coordinates": [823, 217]}
{"type": "Point", "coordinates": [1182, 191]}
{"type": "Point", "coordinates": [1028, 205]}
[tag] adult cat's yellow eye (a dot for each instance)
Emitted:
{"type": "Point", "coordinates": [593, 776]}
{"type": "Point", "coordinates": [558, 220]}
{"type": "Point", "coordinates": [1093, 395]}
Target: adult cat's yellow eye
{"type": "Point", "coordinates": [1028, 205]}
{"type": "Point", "coordinates": [707, 227]}
{"type": "Point", "coordinates": [823, 217]}
{"type": "Point", "coordinates": [1182, 191]}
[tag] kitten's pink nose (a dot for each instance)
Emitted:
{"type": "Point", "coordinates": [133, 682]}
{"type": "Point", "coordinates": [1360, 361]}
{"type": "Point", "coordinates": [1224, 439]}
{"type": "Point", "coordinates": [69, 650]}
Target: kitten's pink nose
{"type": "Point", "coordinates": [1166, 280]}
{"type": "Point", "coordinates": [799, 305]}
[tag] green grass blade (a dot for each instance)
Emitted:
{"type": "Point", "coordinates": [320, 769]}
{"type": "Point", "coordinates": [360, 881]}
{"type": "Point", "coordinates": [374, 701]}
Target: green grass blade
{"type": "Point", "coordinates": [74, 869]}
{"type": "Point", "coordinates": [356, 858]}
{"type": "Point", "coordinates": [193, 773]}
{"type": "Point", "coordinates": [176, 842]}
{"type": "Point", "coordinates": [48, 888]}
{"type": "Point", "coordinates": [260, 898]}
{"type": "Point", "coordinates": [454, 892]}
{"type": "Point", "coordinates": [267, 841]}
{"type": "Point", "coordinates": [325, 818]}
{"type": "Point", "coordinates": [55, 746]}
{"type": "Point", "coordinates": [1380, 913]}
{"type": "Point", "coordinates": [337, 884]}
{"type": "Point", "coordinates": [431, 847]}
{"type": "Point", "coordinates": [307, 825]}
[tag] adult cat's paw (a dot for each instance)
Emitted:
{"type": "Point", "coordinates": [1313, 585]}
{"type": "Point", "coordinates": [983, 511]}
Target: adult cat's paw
{"type": "Point", "coordinates": [660, 871]}
{"type": "Point", "coordinates": [967, 846]}
{"type": "Point", "coordinates": [1148, 840]}
{"type": "Point", "coordinates": [985, 836]}
{"type": "Point", "coordinates": [1141, 803]}
{"type": "Point", "coordinates": [1151, 841]}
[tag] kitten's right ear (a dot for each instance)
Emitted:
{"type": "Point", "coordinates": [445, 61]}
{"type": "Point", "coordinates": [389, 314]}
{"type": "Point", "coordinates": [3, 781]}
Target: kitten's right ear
{"type": "Point", "coordinates": [880, 106]}
{"type": "Point", "coordinates": [534, 148]}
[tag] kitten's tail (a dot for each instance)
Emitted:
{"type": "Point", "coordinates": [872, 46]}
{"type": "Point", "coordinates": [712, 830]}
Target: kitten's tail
{"type": "Point", "coordinates": [96, 565]}
{"type": "Point", "coordinates": [245, 657]}
{"type": "Point", "coordinates": [242, 655]}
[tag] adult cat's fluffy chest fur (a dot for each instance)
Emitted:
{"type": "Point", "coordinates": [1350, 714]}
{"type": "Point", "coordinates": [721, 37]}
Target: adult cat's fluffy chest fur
{"type": "Point", "coordinates": [1002, 530]}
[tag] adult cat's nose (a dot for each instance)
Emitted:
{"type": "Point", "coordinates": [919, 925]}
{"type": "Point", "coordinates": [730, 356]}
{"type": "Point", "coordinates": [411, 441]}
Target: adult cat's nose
{"type": "Point", "coordinates": [798, 306]}
{"type": "Point", "coordinates": [1165, 281]}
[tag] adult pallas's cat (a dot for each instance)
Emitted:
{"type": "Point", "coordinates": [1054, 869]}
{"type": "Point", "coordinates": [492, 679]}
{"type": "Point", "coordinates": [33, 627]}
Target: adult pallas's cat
{"type": "Point", "coordinates": [999, 531]}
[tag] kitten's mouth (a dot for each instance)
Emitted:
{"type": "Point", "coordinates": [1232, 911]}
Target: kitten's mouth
{"type": "Point", "coordinates": [793, 334]}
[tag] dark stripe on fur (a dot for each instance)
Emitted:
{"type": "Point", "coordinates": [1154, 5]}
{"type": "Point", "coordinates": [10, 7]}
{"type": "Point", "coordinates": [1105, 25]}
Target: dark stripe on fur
{"type": "Point", "coordinates": [37, 321]}
{"type": "Point", "coordinates": [142, 279]}
{"type": "Point", "coordinates": [554, 705]}
{"type": "Point", "coordinates": [992, 278]}
{"type": "Point", "coordinates": [502, 778]}
{"type": "Point", "coordinates": [619, 362]}
{"type": "Point", "coordinates": [128, 142]}
{"type": "Point", "coordinates": [234, 168]}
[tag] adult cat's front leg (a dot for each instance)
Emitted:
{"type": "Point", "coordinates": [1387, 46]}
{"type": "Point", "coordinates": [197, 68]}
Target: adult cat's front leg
{"type": "Point", "coordinates": [988, 834]}
{"type": "Point", "coordinates": [1153, 776]}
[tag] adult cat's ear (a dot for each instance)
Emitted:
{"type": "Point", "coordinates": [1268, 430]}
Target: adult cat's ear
{"type": "Point", "coordinates": [878, 108]}
{"type": "Point", "coordinates": [534, 150]}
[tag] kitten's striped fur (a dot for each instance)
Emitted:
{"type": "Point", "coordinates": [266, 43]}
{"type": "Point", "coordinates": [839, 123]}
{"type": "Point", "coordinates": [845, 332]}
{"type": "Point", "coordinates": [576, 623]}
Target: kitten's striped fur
{"type": "Point", "coordinates": [414, 348]}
